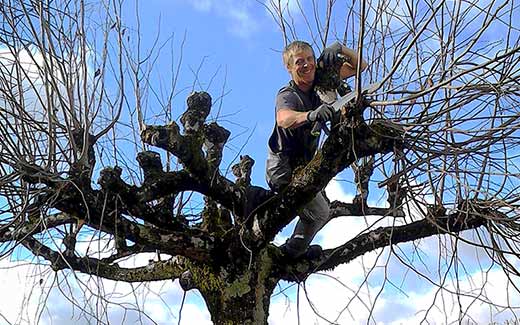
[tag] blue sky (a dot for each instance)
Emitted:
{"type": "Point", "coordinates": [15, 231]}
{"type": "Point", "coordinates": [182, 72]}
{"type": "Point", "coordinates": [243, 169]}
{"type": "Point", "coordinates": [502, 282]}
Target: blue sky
{"type": "Point", "coordinates": [236, 45]}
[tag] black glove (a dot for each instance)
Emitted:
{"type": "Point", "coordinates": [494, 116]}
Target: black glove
{"type": "Point", "coordinates": [329, 56]}
{"type": "Point", "coordinates": [323, 113]}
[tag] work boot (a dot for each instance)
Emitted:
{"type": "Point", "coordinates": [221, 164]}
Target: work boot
{"type": "Point", "coordinates": [290, 252]}
{"type": "Point", "coordinates": [314, 251]}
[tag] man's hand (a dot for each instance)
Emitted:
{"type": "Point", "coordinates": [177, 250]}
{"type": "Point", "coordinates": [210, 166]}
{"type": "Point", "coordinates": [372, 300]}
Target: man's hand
{"type": "Point", "coordinates": [323, 113]}
{"type": "Point", "coordinates": [329, 56]}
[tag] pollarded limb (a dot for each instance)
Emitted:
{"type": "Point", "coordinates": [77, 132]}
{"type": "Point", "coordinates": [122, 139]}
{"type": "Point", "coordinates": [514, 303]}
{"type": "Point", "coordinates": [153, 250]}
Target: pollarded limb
{"type": "Point", "coordinates": [151, 164]}
{"type": "Point", "coordinates": [255, 196]}
{"type": "Point", "coordinates": [343, 146]}
{"type": "Point", "coordinates": [201, 166]}
{"type": "Point", "coordinates": [155, 208]}
{"type": "Point", "coordinates": [106, 268]}
{"type": "Point", "coordinates": [188, 149]}
{"type": "Point", "coordinates": [441, 223]}
{"type": "Point", "coordinates": [199, 106]}
{"type": "Point", "coordinates": [242, 171]}
{"type": "Point", "coordinates": [215, 137]}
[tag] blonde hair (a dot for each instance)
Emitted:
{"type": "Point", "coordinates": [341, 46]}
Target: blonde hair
{"type": "Point", "coordinates": [292, 48]}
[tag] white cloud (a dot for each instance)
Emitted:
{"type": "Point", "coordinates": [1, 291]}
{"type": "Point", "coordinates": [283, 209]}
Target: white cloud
{"type": "Point", "coordinates": [324, 300]}
{"type": "Point", "coordinates": [342, 298]}
{"type": "Point", "coordinates": [446, 306]}
{"type": "Point", "coordinates": [203, 5]}
{"type": "Point", "coordinates": [34, 295]}
{"type": "Point", "coordinates": [335, 191]}
{"type": "Point", "coordinates": [24, 291]}
{"type": "Point", "coordinates": [242, 21]}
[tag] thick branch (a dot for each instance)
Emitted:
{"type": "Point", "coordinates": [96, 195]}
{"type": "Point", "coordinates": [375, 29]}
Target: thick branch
{"type": "Point", "coordinates": [339, 151]}
{"type": "Point", "coordinates": [339, 209]}
{"type": "Point", "coordinates": [155, 271]}
{"type": "Point", "coordinates": [201, 177]}
{"type": "Point", "coordinates": [35, 226]}
{"type": "Point", "coordinates": [187, 148]}
{"type": "Point", "coordinates": [103, 211]}
{"type": "Point", "coordinates": [189, 242]}
{"type": "Point", "coordinates": [387, 236]}
{"type": "Point", "coordinates": [220, 189]}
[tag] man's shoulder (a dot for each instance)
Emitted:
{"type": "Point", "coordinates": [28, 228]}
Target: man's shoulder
{"type": "Point", "coordinates": [287, 88]}
{"type": "Point", "coordinates": [287, 92]}
{"type": "Point", "coordinates": [290, 97]}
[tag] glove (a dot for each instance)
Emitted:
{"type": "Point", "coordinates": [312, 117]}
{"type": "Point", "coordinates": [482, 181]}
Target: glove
{"type": "Point", "coordinates": [323, 113]}
{"type": "Point", "coordinates": [329, 56]}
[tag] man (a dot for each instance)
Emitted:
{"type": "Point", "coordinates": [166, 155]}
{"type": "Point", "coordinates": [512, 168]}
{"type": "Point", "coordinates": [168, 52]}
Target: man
{"type": "Point", "coordinates": [291, 144]}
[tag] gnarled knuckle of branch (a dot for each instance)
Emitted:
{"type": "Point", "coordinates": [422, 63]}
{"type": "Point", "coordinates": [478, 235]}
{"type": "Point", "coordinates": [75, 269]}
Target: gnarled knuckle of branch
{"type": "Point", "coordinates": [79, 138]}
{"type": "Point", "coordinates": [150, 159]}
{"type": "Point", "coordinates": [216, 134]}
{"type": "Point", "coordinates": [215, 138]}
{"type": "Point", "coordinates": [242, 170]}
{"type": "Point", "coordinates": [150, 162]}
{"type": "Point", "coordinates": [110, 179]}
{"type": "Point", "coordinates": [161, 136]}
{"type": "Point", "coordinates": [199, 106]}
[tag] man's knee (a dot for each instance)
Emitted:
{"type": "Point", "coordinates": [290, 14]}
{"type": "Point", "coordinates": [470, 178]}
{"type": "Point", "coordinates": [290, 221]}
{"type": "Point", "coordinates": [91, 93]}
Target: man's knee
{"type": "Point", "coordinates": [317, 210]}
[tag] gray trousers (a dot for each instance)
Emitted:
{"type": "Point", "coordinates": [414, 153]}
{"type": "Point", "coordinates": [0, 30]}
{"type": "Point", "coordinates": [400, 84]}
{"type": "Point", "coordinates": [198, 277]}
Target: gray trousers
{"type": "Point", "coordinates": [314, 215]}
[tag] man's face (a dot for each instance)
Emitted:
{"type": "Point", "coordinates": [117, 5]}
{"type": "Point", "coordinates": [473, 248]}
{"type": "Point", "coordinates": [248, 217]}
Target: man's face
{"type": "Point", "coordinates": [302, 68]}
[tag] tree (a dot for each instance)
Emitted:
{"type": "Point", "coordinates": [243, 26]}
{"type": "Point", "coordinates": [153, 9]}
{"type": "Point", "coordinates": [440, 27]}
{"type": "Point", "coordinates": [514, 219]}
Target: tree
{"type": "Point", "coordinates": [440, 134]}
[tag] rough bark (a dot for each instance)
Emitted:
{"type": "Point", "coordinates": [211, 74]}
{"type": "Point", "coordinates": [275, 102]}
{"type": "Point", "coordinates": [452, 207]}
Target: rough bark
{"type": "Point", "coordinates": [239, 296]}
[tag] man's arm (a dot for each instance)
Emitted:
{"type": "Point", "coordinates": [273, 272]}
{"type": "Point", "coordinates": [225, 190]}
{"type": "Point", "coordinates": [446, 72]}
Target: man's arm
{"type": "Point", "coordinates": [348, 68]}
{"type": "Point", "coordinates": [290, 119]}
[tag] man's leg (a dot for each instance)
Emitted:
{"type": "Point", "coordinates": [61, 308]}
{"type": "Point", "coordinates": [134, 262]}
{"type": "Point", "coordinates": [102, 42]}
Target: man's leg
{"type": "Point", "coordinates": [313, 217]}
{"type": "Point", "coordinates": [278, 173]}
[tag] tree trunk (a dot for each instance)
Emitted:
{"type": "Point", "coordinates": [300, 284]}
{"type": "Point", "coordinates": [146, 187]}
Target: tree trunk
{"type": "Point", "coordinates": [239, 296]}
{"type": "Point", "coordinates": [231, 307]}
